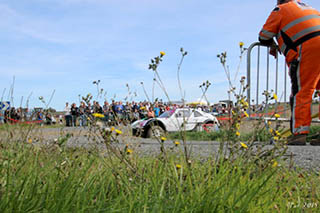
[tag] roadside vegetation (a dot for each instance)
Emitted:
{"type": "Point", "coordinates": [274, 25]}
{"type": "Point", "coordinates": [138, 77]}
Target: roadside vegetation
{"type": "Point", "coordinates": [51, 179]}
{"type": "Point", "coordinates": [222, 135]}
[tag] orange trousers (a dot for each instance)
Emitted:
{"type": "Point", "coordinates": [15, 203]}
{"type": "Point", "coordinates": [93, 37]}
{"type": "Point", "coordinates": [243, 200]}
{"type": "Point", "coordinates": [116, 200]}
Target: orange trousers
{"type": "Point", "coordinates": [304, 80]}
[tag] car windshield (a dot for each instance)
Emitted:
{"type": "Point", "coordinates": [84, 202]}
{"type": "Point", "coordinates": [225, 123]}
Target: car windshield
{"type": "Point", "coordinates": [166, 114]}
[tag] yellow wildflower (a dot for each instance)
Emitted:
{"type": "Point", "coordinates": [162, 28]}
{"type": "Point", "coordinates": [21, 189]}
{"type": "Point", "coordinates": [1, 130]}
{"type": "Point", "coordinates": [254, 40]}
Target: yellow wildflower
{"type": "Point", "coordinates": [275, 164]}
{"type": "Point", "coordinates": [278, 133]}
{"type": "Point", "coordinates": [163, 139]}
{"type": "Point", "coordinates": [112, 129]}
{"type": "Point", "coordinates": [269, 123]}
{"type": "Point", "coordinates": [237, 133]}
{"type": "Point", "coordinates": [277, 115]}
{"type": "Point", "coordinates": [98, 115]}
{"type": "Point", "coordinates": [178, 166]}
{"type": "Point", "coordinates": [271, 131]}
{"type": "Point", "coordinates": [245, 104]}
{"type": "Point", "coordinates": [238, 126]}
{"type": "Point", "coordinates": [233, 112]}
{"type": "Point", "coordinates": [275, 97]}
{"type": "Point", "coordinates": [129, 151]}
{"type": "Point", "coordinates": [241, 44]}
{"type": "Point", "coordinates": [276, 138]}
{"type": "Point", "coordinates": [30, 140]}
{"type": "Point", "coordinates": [162, 53]}
{"type": "Point", "coordinates": [243, 145]}
{"type": "Point", "coordinates": [177, 143]}
{"type": "Point", "coordinates": [246, 114]}
{"type": "Point", "coordinates": [118, 132]}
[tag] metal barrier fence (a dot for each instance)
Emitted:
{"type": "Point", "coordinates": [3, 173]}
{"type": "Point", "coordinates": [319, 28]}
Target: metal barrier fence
{"type": "Point", "coordinates": [273, 76]}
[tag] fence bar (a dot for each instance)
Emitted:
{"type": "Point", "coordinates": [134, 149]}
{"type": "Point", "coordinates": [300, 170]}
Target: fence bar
{"type": "Point", "coordinates": [285, 82]}
{"type": "Point", "coordinates": [277, 71]}
{"type": "Point", "coordinates": [258, 74]}
{"type": "Point", "coordinates": [268, 64]}
{"type": "Point", "coordinates": [249, 71]}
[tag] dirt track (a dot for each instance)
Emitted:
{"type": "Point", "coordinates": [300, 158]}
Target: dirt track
{"type": "Point", "coordinates": [307, 157]}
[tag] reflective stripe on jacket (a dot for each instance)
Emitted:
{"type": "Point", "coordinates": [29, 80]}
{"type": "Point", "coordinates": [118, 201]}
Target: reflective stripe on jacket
{"type": "Point", "coordinates": [291, 23]}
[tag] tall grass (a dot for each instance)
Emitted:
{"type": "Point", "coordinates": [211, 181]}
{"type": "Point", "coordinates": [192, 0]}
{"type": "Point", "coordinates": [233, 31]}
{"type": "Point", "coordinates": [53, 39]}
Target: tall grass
{"type": "Point", "coordinates": [38, 178]}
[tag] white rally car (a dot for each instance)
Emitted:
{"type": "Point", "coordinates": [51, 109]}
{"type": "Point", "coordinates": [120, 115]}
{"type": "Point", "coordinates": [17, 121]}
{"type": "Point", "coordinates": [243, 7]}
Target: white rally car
{"type": "Point", "coordinates": [183, 119]}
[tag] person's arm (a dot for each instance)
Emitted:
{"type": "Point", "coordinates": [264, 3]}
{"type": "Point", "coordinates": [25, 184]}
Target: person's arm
{"type": "Point", "coordinates": [271, 28]}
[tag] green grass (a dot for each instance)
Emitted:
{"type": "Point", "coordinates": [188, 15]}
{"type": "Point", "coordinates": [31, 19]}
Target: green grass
{"type": "Point", "coordinates": [43, 179]}
{"type": "Point", "coordinates": [261, 135]}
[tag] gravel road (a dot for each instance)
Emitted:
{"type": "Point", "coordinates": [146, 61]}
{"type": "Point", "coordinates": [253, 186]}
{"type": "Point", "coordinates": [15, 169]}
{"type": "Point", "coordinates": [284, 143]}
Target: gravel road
{"type": "Point", "coordinates": [307, 157]}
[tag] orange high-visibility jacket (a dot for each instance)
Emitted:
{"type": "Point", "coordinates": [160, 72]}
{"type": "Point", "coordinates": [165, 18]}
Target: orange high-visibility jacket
{"type": "Point", "coordinates": [292, 24]}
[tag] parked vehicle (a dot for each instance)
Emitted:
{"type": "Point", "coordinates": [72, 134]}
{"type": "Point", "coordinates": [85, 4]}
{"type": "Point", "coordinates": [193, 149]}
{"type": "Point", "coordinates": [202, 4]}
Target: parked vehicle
{"type": "Point", "coordinates": [183, 119]}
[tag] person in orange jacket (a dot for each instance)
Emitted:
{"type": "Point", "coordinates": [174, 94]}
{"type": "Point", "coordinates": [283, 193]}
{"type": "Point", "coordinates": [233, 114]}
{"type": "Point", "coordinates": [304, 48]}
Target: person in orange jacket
{"type": "Point", "coordinates": [296, 26]}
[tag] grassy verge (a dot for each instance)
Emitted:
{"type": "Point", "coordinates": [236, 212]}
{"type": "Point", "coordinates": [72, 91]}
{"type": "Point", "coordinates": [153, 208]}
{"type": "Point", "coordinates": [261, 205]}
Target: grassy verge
{"type": "Point", "coordinates": [261, 135]}
{"type": "Point", "coordinates": [54, 179]}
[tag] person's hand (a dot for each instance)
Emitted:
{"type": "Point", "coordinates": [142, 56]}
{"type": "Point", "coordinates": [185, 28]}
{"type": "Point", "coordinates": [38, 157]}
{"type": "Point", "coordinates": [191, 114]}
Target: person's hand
{"type": "Point", "coordinates": [273, 50]}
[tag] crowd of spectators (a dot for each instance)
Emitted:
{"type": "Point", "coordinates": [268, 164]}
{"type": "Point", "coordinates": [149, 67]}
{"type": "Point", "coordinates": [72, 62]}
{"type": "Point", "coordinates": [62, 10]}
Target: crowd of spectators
{"type": "Point", "coordinates": [113, 112]}
{"type": "Point", "coordinates": [23, 115]}
{"type": "Point", "coordinates": [80, 115]}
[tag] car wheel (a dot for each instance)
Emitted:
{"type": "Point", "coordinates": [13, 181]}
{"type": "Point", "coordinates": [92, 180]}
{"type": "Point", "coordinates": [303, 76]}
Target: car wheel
{"type": "Point", "coordinates": [155, 132]}
{"type": "Point", "coordinates": [209, 127]}
{"type": "Point", "coordinates": [136, 132]}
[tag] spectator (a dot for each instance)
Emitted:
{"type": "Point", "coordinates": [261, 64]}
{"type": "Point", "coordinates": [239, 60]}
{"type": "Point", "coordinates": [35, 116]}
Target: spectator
{"type": "Point", "coordinates": [157, 110]}
{"type": "Point", "coordinates": [151, 113]}
{"type": "Point", "coordinates": [67, 114]}
{"type": "Point", "coordinates": [82, 115]}
{"type": "Point", "coordinates": [74, 114]}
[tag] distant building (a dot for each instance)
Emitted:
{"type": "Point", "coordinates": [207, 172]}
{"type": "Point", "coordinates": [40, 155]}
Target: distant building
{"type": "Point", "coordinates": [225, 103]}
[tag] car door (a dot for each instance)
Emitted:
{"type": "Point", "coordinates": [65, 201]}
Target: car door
{"type": "Point", "coordinates": [192, 120]}
{"type": "Point", "coordinates": [176, 120]}
{"type": "Point", "coordinates": [181, 120]}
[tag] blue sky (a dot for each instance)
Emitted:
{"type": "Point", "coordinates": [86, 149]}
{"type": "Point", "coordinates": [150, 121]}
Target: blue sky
{"type": "Point", "coordinates": [65, 45]}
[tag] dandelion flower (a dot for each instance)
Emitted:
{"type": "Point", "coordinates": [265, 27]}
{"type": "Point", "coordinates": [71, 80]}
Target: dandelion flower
{"type": "Point", "coordinates": [237, 133]}
{"type": "Point", "coordinates": [30, 140]}
{"type": "Point", "coordinates": [112, 129]}
{"type": "Point", "coordinates": [162, 53]}
{"type": "Point", "coordinates": [243, 145]}
{"type": "Point", "coordinates": [275, 164]}
{"type": "Point", "coordinates": [241, 44]}
{"type": "Point", "coordinates": [163, 139]}
{"type": "Point", "coordinates": [246, 114]}
{"type": "Point", "coordinates": [129, 151]}
{"type": "Point", "coordinates": [178, 166]}
{"type": "Point", "coordinates": [245, 104]}
{"type": "Point", "coordinates": [238, 126]}
{"type": "Point", "coordinates": [177, 143]}
{"type": "Point", "coordinates": [276, 138]}
{"type": "Point", "coordinates": [118, 132]}
{"type": "Point", "coordinates": [278, 133]}
{"type": "Point", "coordinates": [98, 115]}
{"type": "Point", "coordinates": [277, 115]}
{"type": "Point", "coordinates": [275, 97]}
